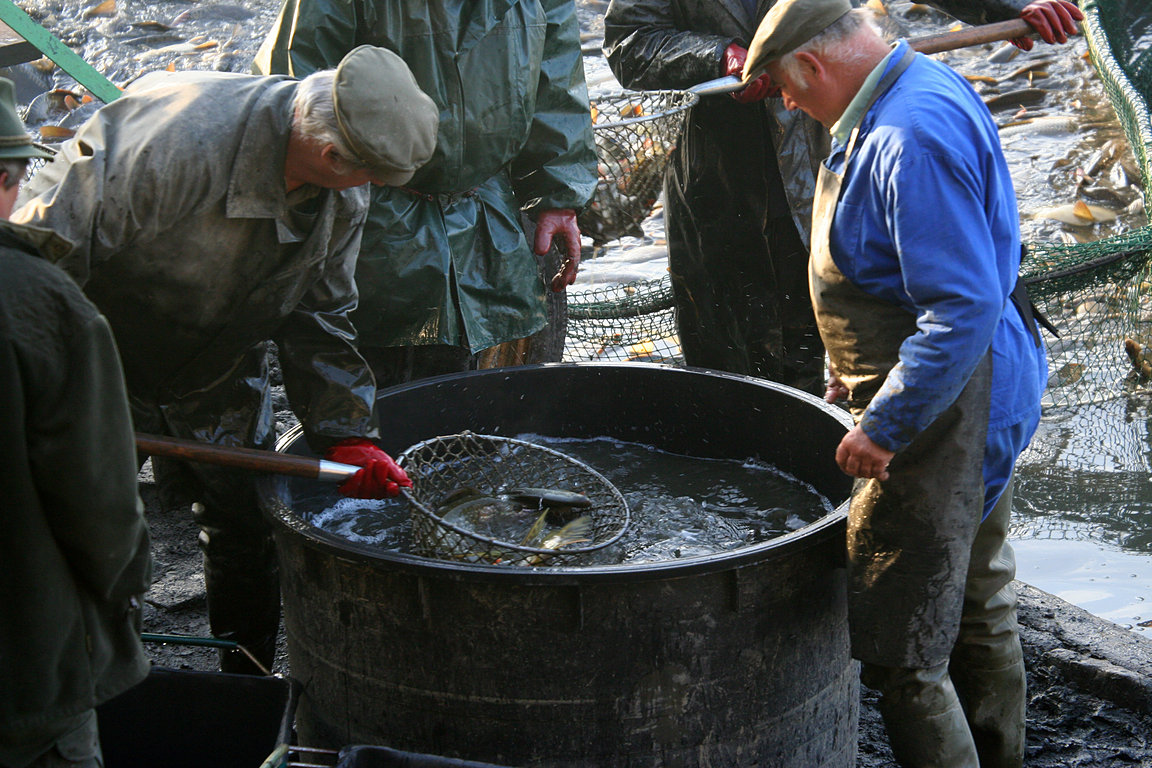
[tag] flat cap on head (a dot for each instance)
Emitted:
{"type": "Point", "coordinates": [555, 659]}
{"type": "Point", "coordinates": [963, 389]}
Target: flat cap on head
{"type": "Point", "coordinates": [786, 27]}
{"type": "Point", "coordinates": [383, 115]}
{"type": "Point", "coordinates": [14, 140]}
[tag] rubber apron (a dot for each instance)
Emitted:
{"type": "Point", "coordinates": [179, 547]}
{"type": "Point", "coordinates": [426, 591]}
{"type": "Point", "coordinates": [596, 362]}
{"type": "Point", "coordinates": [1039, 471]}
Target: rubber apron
{"type": "Point", "coordinates": [909, 537]}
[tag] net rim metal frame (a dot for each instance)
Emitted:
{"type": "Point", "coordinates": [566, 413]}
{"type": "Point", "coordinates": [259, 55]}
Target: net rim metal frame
{"type": "Point", "coordinates": [689, 100]}
{"type": "Point", "coordinates": [566, 553]}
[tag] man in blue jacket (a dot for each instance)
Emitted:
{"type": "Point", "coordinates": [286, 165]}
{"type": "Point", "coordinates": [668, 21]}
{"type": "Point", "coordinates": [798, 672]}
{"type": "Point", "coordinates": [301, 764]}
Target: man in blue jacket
{"type": "Point", "coordinates": [913, 278]}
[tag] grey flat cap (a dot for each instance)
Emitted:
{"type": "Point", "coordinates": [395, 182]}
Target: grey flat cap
{"type": "Point", "coordinates": [786, 27]}
{"type": "Point", "coordinates": [383, 115]}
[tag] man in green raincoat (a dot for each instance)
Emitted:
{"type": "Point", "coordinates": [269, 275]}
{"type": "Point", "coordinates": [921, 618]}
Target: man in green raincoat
{"type": "Point", "coordinates": [75, 549]}
{"type": "Point", "coordinates": [446, 269]}
{"type": "Point", "coordinates": [211, 212]}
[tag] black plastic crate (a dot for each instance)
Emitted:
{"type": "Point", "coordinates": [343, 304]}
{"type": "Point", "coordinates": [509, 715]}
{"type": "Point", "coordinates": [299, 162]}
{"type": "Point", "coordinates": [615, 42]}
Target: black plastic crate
{"type": "Point", "coordinates": [185, 719]}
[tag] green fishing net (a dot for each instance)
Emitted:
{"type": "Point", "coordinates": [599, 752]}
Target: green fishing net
{"type": "Point", "coordinates": [1099, 294]}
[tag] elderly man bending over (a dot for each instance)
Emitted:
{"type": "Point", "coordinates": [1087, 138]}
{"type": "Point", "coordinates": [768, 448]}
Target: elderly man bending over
{"type": "Point", "coordinates": [211, 212]}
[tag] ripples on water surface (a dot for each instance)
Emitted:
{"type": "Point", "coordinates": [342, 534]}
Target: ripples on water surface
{"type": "Point", "coordinates": [680, 506]}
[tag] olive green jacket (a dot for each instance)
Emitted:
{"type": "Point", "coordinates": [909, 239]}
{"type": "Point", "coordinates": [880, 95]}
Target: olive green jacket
{"type": "Point", "coordinates": [445, 260]}
{"type": "Point", "coordinates": [190, 246]}
{"type": "Point", "coordinates": [74, 557]}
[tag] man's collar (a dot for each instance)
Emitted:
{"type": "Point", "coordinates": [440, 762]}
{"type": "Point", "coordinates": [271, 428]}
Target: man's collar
{"type": "Point", "coordinates": [853, 114]}
{"type": "Point", "coordinates": [256, 189]}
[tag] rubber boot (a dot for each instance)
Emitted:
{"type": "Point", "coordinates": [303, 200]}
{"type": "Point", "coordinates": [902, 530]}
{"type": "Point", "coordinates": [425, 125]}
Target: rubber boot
{"type": "Point", "coordinates": [987, 663]}
{"type": "Point", "coordinates": [241, 579]}
{"type": "Point", "coordinates": [922, 714]}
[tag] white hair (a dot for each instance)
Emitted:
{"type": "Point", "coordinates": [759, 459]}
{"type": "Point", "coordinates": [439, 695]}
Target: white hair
{"type": "Point", "coordinates": [831, 44]}
{"type": "Point", "coordinates": [315, 117]}
{"type": "Point", "coordinates": [16, 168]}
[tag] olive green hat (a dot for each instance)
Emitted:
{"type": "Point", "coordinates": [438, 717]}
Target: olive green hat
{"type": "Point", "coordinates": [14, 140]}
{"type": "Point", "coordinates": [383, 115]}
{"type": "Point", "coordinates": [786, 27]}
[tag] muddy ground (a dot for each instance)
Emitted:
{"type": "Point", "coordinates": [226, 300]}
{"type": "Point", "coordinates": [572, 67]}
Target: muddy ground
{"type": "Point", "coordinates": [1090, 681]}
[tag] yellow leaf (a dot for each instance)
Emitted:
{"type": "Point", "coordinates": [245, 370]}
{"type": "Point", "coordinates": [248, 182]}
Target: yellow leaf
{"type": "Point", "coordinates": [56, 132]}
{"type": "Point", "coordinates": [106, 8]}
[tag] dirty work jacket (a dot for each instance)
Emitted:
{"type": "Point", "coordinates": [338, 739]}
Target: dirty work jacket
{"type": "Point", "coordinates": [929, 144]}
{"type": "Point", "coordinates": [175, 196]}
{"type": "Point", "coordinates": [445, 261]}
{"type": "Point", "coordinates": [75, 548]}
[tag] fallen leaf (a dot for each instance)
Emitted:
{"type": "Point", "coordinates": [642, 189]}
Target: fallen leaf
{"type": "Point", "coordinates": [106, 8]}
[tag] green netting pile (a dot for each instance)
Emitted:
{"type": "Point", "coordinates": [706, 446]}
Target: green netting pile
{"type": "Point", "coordinates": [1097, 294]}
{"type": "Point", "coordinates": [634, 321]}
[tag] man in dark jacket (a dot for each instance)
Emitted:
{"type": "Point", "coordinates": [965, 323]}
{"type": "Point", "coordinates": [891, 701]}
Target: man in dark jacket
{"type": "Point", "coordinates": [75, 549]}
{"type": "Point", "coordinates": [212, 212]}
{"type": "Point", "coordinates": [739, 187]}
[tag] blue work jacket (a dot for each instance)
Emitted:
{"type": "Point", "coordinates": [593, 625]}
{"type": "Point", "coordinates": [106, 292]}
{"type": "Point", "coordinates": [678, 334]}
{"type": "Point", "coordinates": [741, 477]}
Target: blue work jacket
{"type": "Point", "coordinates": [927, 219]}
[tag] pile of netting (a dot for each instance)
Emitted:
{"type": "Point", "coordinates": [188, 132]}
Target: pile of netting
{"type": "Point", "coordinates": [634, 321]}
{"type": "Point", "coordinates": [1097, 294]}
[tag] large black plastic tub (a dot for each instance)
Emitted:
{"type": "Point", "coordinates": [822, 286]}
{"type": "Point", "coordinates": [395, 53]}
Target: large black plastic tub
{"type": "Point", "coordinates": [737, 659]}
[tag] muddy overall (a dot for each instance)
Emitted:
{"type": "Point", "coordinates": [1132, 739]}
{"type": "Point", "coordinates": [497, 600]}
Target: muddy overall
{"type": "Point", "coordinates": [930, 591]}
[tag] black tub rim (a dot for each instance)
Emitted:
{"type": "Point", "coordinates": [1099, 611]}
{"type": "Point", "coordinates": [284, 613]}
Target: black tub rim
{"type": "Point", "coordinates": [817, 533]}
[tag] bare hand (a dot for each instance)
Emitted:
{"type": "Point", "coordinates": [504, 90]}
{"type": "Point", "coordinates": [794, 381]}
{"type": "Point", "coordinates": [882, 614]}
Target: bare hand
{"type": "Point", "coordinates": [560, 222]}
{"type": "Point", "coordinates": [858, 456]}
{"type": "Point", "coordinates": [834, 390]}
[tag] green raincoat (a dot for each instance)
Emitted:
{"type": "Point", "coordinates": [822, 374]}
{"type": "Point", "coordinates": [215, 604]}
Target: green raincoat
{"type": "Point", "coordinates": [75, 551]}
{"type": "Point", "coordinates": [445, 260]}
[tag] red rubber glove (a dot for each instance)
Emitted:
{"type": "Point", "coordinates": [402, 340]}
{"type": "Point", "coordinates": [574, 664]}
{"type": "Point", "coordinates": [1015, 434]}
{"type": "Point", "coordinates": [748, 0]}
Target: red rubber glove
{"type": "Point", "coordinates": [562, 222]}
{"type": "Point", "coordinates": [380, 477]}
{"type": "Point", "coordinates": [760, 88]}
{"type": "Point", "coordinates": [1053, 20]}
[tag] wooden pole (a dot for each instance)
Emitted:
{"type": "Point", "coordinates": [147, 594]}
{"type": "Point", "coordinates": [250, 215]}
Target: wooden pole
{"type": "Point", "coordinates": [250, 459]}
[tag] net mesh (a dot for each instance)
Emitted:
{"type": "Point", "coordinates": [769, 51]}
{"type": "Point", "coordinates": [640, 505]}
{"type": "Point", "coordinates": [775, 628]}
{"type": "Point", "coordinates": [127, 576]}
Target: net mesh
{"type": "Point", "coordinates": [634, 321]}
{"type": "Point", "coordinates": [488, 466]}
{"type": "Point", "coordinates": [1097, 294]}
{"type": "Point", "coordinates": [635, 132]}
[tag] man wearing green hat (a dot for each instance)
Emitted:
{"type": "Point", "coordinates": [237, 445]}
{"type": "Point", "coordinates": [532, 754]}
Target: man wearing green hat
{"type": "Point", "coordinates": [75, 550]}
{"type": "Point", "coordinates": [212, 212]}
{"type": "Point", "coordinates": [913, 279]}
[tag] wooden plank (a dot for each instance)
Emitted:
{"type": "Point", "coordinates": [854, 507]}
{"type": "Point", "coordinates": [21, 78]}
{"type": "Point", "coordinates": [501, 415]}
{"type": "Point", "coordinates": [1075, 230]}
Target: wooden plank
{"type": "Point", "coordinates": [67, 59]}
{"type": "Point", "coordinates": [15, 49]}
